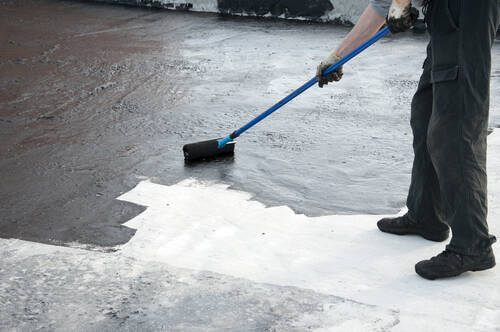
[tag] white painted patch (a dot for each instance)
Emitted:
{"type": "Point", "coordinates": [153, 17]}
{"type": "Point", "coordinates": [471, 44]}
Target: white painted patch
{"type": "Point", "coordinates": [207, 226]}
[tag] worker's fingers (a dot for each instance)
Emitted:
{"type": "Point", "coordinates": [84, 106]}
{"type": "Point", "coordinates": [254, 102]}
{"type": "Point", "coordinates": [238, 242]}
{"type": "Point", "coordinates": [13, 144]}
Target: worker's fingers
{"type": "Point", "coordinates": [319, 72]}
{"type": "Point", "coordinates": [328, 77]}
{"type": "Point", "coordinates": [322, 81]}
{"type": "Point", "coordinates": [340, 71]}
{"type": "Point", "coordinates": [337, 76]}
{"type": "Point", "coordinates": [334, 76]}
{"type": "Point", "coordinates": [401, 17]}
{"type": "Point", "coordinates": [319, 69]}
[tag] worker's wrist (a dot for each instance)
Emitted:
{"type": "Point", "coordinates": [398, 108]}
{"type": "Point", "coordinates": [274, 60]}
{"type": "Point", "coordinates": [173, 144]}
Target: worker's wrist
{"type": "Point", "coordinates": [402, 3]}
{"type": "Point", "coordinates": [337, 54]}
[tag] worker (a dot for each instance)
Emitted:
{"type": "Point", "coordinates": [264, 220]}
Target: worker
{"type": "Point", "coordinates": [449, 120]}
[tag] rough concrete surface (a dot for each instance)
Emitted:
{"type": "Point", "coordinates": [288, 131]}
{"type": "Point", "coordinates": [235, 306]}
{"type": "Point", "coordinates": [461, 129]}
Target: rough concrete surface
{"type": "Point", "coordinates": [92, 291]}
{"type": "Point", "coordinates": [96, 102]}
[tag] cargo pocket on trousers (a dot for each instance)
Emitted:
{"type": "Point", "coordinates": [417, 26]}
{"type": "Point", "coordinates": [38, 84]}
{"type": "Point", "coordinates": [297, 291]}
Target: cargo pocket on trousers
{"type": "Point", "coordinates": [444, 74]}
{"type": "Point", "coordinates": [445, 50]}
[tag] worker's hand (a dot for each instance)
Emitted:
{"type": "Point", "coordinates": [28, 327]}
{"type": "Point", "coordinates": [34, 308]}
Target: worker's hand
{"type": "Point", "coordinates": [401, 16]}
{"type": "Point", "coordinates": [335, 75]}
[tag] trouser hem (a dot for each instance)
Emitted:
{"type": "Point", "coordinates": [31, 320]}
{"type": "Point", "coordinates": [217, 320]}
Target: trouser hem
{"type": "Point", "coordinates": [479, 250]}
{"type": "Point", "coordinates": [425, 225]}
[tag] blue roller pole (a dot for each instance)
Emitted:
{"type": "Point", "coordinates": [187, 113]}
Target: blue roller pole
{"type": "Point", "coordinates": [223, 141]}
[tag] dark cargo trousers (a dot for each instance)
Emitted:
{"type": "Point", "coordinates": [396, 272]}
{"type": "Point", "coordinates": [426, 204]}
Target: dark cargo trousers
{"type": "Point", "coordinates": [449, 119]}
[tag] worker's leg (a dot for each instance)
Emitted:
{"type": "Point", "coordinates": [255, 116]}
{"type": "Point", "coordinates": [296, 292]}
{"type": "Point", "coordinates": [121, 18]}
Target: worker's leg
{"type": "Point", "coordinates": [424, 215]}
{"type": "Point", "coordinates": [424, 202]}
{"type": "Point", "coordinates": [462, 34]}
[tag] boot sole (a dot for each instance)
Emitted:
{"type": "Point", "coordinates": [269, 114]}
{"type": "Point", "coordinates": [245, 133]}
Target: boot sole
{"type": "Point", "coordinates": [485, 266]}
{"type": "Point", "coordinates": [481, 267]}
{"type": "Point", "coordinates": [430, 237]}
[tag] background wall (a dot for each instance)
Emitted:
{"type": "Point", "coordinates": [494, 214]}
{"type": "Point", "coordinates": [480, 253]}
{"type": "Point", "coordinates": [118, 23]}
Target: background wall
{"type": "Point", "coordinates": [339, 11]}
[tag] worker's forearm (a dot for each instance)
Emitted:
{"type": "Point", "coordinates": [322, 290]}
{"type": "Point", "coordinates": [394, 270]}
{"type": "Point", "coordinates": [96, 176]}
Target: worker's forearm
{"type": "Point", "coordinates": [368, 24]}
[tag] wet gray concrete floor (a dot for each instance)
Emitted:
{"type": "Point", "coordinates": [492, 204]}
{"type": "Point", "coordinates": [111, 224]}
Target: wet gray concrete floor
{"type": "Point", "coordinates": [92, 291]}
{"type": "Point", "coordinates": [95, 97]}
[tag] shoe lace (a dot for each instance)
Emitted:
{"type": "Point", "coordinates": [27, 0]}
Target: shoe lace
{"type": "Point", "coordinates": [446, 254]}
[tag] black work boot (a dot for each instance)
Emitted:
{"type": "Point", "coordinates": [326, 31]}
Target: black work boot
{"type": "Point", "coordinates": [405, 226]}
{"type": "Point", "coordinates": [451, 264]}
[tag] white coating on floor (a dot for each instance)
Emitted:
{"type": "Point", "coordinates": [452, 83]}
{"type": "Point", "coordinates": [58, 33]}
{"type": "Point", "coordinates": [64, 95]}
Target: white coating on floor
{"type": "Point", "coordinates": [209, 227]}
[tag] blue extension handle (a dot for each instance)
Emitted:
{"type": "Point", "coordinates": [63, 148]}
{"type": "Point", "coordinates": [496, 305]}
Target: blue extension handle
{"type": "Point", "coordinates": [223, 141]}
